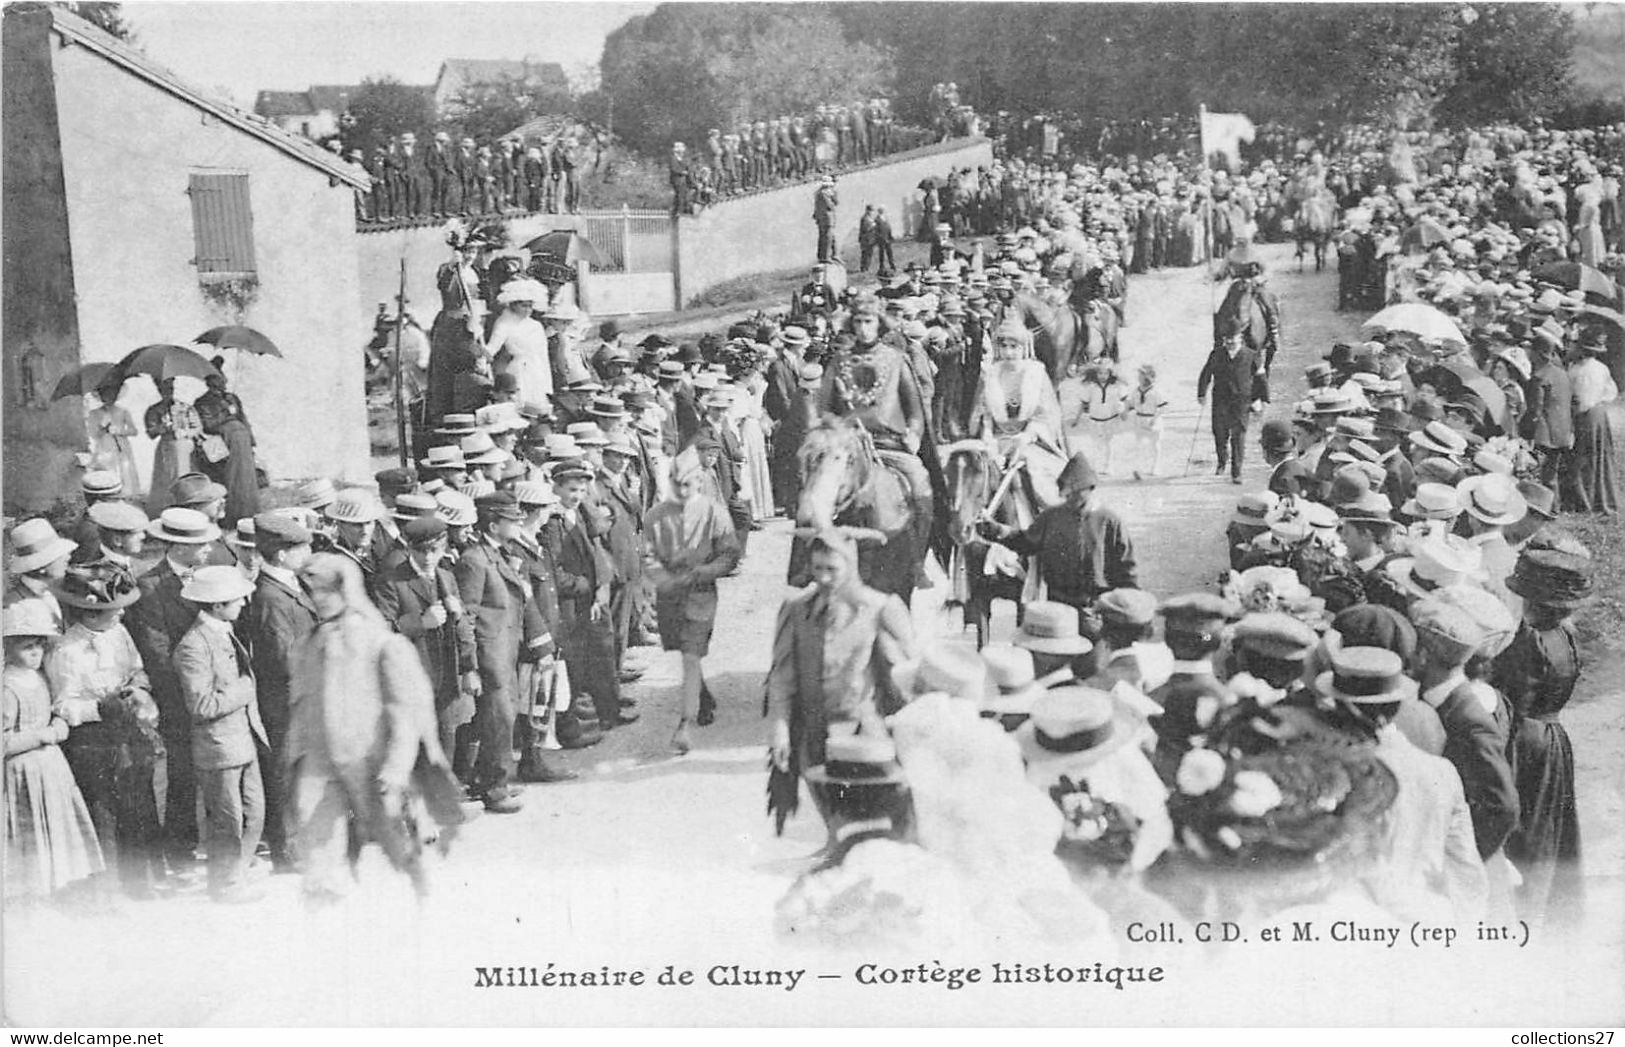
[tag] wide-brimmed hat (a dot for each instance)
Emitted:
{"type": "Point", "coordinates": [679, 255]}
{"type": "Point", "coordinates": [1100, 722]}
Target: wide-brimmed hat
{"type": "Point", "coordinates": [99, 586]}
{"type": "Point", "coordinates": [194, 489]}
{"type": "Point", "coordinates": [954, 669]}
{"type": "Point", "coordinates": [1012, 683]}
{"type": "Point", "coordinates": [1434, 563]}
{"type": "Point", "coordinates": [1439, 438]}
{"type": "Point", "coordinates": [117, 516]}
{"type": "Point", "coordinates": [1253, 507]}
{"type": "Point", "coordinates": [1541, 500]}
{"type": "Point", "coordinates": [313, 494]}
{"type": "Point", "coordinates": [457, 425]}
{"type": "Point", "coordinates": [353, 506]}
{"type": "Point", "coordinates": [858, 760]}
{"type": "Point", "coordinates": [181, 526]}
{"type": "Point", "coordinates": [29, 618]}
{"type": "Point", "coordinates": [217, 584]}
{"type": "Point", "coordinates": [101, 483]}
{"type": "Point", "coordinates": [1051, 628]}
{"type": "Point", "coordinates": [456, 508]}
{"type": "Point", "coordinates": [1433, 501]}
{"type": "Point", "coordinates": [1364, 676]}
{"type": "Point", "coordinates": [479, 449]}
{"type": "Point", "coordinates": [1072, 726]}
{"type": "Point", "coordinates": [1551, 578]}
{"type": "Point", "coordinates": [1492, 498]}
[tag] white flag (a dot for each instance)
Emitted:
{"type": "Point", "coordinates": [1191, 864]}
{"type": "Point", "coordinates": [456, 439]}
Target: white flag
{"type": "Point", "coordinates": [1223, 133]}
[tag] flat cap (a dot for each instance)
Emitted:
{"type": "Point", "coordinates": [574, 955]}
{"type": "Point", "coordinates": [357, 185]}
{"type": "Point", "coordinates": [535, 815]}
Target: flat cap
{"type": "Point", "coordinates": [396, 479]}
{"type": "Point", "coordinates": [118, 516]}
{"type": "Point", "coordinates": [1275, 635]}
{"type": "Point", "coordinates": [498, 504]}
{"type": "Point", "coordinates": [423, 530]}
{"type": "Point", "coordinates": [1194, 612]}
{"type": "Point", "coordinates": [277, 529]}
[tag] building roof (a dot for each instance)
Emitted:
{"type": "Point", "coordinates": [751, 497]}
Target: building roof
{"type": "Point", "coordinates": [76, 30]}
{"type": "Point", "coordinates": [334, 98]}
{"type": "Point", "coordinates": [283, 103]}
{"type": "Point", "coordinates": [485, 70]}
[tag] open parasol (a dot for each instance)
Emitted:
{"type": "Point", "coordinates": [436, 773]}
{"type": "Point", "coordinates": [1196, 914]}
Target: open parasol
{"type": "Point", "coordinates": [86, 379]}
{"type": "Point", "coordinates": [1469, 377]}
{"type": "Point", "coordinates": [1598, 314]}
{"type": "Point", "coordinates": [1577, 276]}
{"type": "Point", "coordinates": [238, 337]}
{"type": "Point", "coordinates": [565, 247]}
{"type": "Point", "coordinates": [1417, 318]}
{"type": "Point", "coordinates": [1427, 232]}
{"type": "Point", "coordinates": [161, 362]}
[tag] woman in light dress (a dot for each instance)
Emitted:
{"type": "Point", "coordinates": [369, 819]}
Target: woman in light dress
{"type": "Point", "coordinates": [518, 341]}
{"type": "Point", "coordinates": [110, 427]}
{"type": "Point", "coordinates": [1017, 410]}
{"type": "Point", "coordinates": [751, 420]}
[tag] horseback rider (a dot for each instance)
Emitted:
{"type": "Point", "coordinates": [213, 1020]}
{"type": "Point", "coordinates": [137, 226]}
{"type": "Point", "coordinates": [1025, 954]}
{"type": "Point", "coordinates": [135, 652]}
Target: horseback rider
{"type": "Point", "coordinates": [1247, 292]}
{"type": "Point", "coordinates": [874, 383]}
{"type": "Point", "coordinates": [1018, 412]}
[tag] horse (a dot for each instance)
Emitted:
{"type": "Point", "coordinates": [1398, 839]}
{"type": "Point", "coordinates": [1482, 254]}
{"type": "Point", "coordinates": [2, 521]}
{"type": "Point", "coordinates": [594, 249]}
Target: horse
{"type": "Point", "coordinates": [846, 482]}
{"type": "Point", "coordinates": [973, 475]}
{"type": "Point", "coordinates": [1241, 316]}
{"type": "Point", "coordinates": [1313, 225]}
{"type": "Point", "coordinates": [1058, 332]}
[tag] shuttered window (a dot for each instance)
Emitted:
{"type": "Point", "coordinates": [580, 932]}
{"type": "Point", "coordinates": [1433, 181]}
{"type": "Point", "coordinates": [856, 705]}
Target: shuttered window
{"type": "Point", "coordinates": [222, 223]}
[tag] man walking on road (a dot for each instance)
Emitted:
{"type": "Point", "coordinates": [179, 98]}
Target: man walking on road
{"type": "Point", "coordinates": [1239, 389]}
{"type": "Point", "coordinates": [824, 217]}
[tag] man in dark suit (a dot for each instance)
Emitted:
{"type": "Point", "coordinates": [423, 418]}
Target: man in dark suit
{"type": "Point", "coordinates": [442, 172]}
{"type": "Point", "coordinates": [464, 164]}
{"type": "Point", "coordinates": [279, 619]}
{"type": "Point", "coordinates": [730, 458]}
{"type": "Point", "coordinates": [622, 493]}
{"type": "Point", "coordinates": [418, 595]}
{"type": "Point", "coordinates": [1548, 421]}
{"type": "Point", "coordinates": [494, 594]}
{"type": "Point", "coordinates": [156, 623]}
{"type": "Point", "coordinates": [1191, 628]}
{"type": "Point", "coordinates": [1239, 390]}
{"type": "Point", "coordinates": [575, 539]}
{"type": "Point", "coordinates": [406, 176]}
{"type": "Point", "coordinates": [680, 178]}
{"type": "Point", "coordinates": [824, 204]}
{"type": "Point", "coordinates": [537, 502]}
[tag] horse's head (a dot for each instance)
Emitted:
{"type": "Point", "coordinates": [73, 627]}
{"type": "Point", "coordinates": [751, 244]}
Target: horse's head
{"type": "Point", "coordinates": [835, 460]}
{"type": "Point", "coordinates": [970, 475]}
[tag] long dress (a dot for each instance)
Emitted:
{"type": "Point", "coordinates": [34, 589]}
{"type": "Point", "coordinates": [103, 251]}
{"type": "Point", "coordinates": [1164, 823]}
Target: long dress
{"type": "Point", "coordinates": [1588, 483]}
{"type": "Point", "coordinates": [1538, 673]}
{"type": "Point", "coordinates": [222, 415]}
{"type": "Point", "coordinates": [520, 348]}
{"type": "Point", "coordinates": [110, 428]}
{"type": "Point", "coordinates": [1016, 397]}
{"type": "Point", "coordinates": [756, 479]}
{"type": "Point", "coordinates": [177, 428]}
{"type": "Point", "coordinates": [50, 838]}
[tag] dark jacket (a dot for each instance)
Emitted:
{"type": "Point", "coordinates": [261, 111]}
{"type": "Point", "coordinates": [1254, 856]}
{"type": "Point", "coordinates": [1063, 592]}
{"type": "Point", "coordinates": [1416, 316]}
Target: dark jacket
{"type": "Point", "coordinates": [156, 623]}
{"type": "Point", "coordinates": [625, 535]}
{"type": "Point", "coordinates": [1478, 749]}
{"type": "Point", "coordinates": [277, 621]}
{"type": "Point", "coordinates": [447, 651]}
{"type": "Point", "coordinates": [1081, 553]}
{"type": "Point", "coordinates": [581, 565]}
{"type": "Point", "coordinates": [1236, 381]}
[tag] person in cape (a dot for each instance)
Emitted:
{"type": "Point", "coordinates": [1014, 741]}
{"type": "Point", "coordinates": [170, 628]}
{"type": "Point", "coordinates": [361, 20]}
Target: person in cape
{"type": "Point", "coordinates": [1016, 409]}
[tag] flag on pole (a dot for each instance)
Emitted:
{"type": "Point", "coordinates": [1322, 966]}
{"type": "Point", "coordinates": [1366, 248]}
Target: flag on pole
{"type": "Point", "coordinates": [1223, 133]}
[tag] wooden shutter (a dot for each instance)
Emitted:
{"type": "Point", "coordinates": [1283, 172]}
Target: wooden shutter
{"type": "Point", "coordinates": [222, 223]}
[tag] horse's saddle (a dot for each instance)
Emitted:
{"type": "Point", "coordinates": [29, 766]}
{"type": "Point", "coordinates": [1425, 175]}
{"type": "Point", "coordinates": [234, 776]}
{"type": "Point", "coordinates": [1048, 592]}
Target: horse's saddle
{"type": "Point", "coordinates": [893, 494]}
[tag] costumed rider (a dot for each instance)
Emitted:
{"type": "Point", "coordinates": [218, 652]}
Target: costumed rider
{"type": "Point", "coordinates": [1247, 282]}
{"type": "Point", "coordinates": [873, 382]}
{"type": "Point", "coordinates": [1017, 411]}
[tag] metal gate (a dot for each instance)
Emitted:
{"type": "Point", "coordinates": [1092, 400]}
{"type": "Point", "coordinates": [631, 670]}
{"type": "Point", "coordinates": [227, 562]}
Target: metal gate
{"type": "Point", "coordinates": [636, 270]}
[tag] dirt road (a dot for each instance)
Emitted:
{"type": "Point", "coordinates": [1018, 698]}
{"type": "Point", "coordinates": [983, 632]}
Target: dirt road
{"type": "Point", "coordinates": [650, 860]}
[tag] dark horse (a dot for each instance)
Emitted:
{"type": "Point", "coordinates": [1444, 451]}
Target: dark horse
{"type": "Point", "coordinates": [1243, 315]}
{"type": "Point", "coordinates": [845, 481]}
{"type": "Point", "coordinates": [1317, 213]}
{"type": "Point", "coordinates": [1064, 338]}
{"type": "Point", "coordinates": [972, 476]}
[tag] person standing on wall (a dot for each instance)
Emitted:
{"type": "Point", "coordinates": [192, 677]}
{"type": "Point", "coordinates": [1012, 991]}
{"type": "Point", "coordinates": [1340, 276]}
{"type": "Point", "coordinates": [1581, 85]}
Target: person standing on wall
{"type": "Point", "coordinates": [824, 202]}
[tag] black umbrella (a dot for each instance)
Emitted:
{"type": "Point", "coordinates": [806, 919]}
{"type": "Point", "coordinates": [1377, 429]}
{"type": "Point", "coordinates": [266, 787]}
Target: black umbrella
{"type": "Point", "coordinates": [238, 337]}
{"type": "Point", "coordinates": [86, 379]}
{"type": "Point", "coordinates": [565, 247]}
{"type": "Point", "coordinates": [161, 362]}
{"type": "Point", "coordinates": [1577, 276]}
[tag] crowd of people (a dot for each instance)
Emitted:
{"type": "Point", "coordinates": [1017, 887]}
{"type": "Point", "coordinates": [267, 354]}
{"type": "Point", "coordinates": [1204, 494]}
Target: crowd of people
{"type": "Point", "coordinates": [785, 150]}
{"type": "Point", "coordinates": [448, 179]}
{"type": "Point", "coordinates": [1384, 666]}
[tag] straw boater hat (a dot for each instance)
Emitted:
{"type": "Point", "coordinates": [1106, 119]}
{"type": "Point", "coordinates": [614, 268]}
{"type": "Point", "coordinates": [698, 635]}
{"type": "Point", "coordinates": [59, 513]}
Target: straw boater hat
{"type": "Point", "coordinates": [101, 586]}
{"type": "Point", "coordinates": [1072, 727]}
{"type": "Point", "coordinates": [1012, 683]}
{"type": "Point", "coordinates": [531, 493]}
{"type": "Point", "coordinates": [1433, 502]}
{"type": "Point", "coordinates": [587, 434]}
{"type": "Point", "coordinates": [1492, 498]}
{"type": "Point", "coordinates": [502, 417]}
{"type": "Point", "coordinates": [181, 526]}
{"type": "Point", "coordinates": [954, 669]}
{"type": "Point", "coordinates": [858, 760]}
{"type": "Point", "coordinates": [561, 446]}
{"type": "Point", "coordinates": [414, 506]}
{"type": "Point", "coordinates": [457, 509]}
{"type": "Point", "coordinates": [457, 425]}
{"type": "Point", "coordinates": [99, 483]}
{"type": "Point", "coordinates": [242, 536]}
{"type": "Point", "coordinates": [606, 407]}
{"type": "Point", "coordinates": [117, 516]}
{"type": "Point", "coordinates": [314, 494]}
{"type": "Point", "coordinates": [1435, 563]}
{"type": "Point", "coordinates": [1052, 628]}
{"type": "Point", "coordinates": [1439, 438]}
{"type": "Point", "coordinates": [222, 584]}
{"type": "Point", "coordinates": [353, 506]}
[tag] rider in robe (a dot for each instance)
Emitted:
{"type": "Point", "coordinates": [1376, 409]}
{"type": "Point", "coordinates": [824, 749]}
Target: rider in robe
{"type": "Point", "coordinates": [1017, 411]}
{"type": "Point", "coordinates": [874, 383]}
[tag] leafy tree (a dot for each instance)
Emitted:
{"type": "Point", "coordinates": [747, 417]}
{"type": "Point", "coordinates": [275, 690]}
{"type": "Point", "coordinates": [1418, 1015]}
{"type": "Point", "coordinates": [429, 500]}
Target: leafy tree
{"type": "Point", "coordinates": [490, 109]}
{"type": "Point", "coordinates": [1513, 63]}
{"type": "Point", "coordinates": [384, 107]}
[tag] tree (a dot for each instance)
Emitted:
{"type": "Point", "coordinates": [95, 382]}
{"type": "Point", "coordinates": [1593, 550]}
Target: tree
{"type": "Point", "coordinates": [489, 109]}
{"type": "Point", "coordinates": [104, 15]}
{"type": "Point", "coordinates": [1513, 63]}
{"type": "Point", "coordinates": [684, 68]}
{"type": "Point", "coordinates": [382, 108]}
